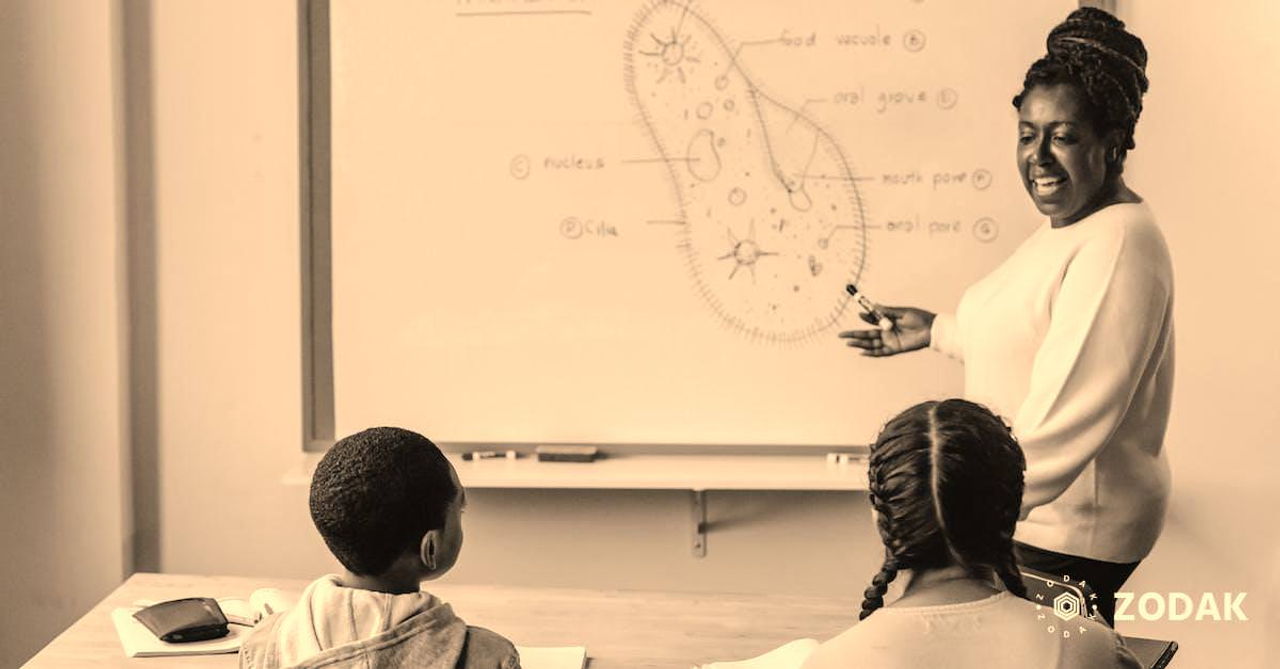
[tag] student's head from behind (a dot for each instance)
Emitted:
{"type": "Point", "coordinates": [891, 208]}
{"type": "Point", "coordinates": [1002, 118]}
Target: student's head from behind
{"type": "Point", "coordinates": [386, 499]}
{"type": "Point", "coordinates": [946, 483]}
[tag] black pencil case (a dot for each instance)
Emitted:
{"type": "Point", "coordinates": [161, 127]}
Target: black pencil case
{"type": "Point", "coordinates": [185, 620]}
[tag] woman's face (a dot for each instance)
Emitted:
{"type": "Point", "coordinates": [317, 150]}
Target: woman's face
{"type": "Point", "coordinates": [1062, 160]}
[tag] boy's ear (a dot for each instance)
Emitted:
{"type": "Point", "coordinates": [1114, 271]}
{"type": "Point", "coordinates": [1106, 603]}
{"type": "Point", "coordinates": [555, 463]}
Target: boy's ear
{"type": "Point", "coordinates": [429, 548]}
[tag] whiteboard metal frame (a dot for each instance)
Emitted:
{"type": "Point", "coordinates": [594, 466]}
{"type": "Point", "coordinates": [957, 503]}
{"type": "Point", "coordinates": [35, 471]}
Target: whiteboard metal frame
{"type": "Point", "coordinates": [315, 144]}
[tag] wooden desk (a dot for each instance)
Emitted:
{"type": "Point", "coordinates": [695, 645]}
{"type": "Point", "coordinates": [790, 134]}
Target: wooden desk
{"type": "Point", "coordinates": [621, 630]}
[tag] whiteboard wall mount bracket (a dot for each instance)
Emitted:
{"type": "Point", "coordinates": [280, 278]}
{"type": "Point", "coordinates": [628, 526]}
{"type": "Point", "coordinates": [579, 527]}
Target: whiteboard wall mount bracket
{"type": "Point", "coordinates": [698, 505]}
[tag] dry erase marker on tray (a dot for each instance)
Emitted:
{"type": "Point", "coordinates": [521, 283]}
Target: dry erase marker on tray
{"type": "Point", "coordinates": [486, 455]}
{"type": "Point", "coordinates": [838, 458]}
{"type": "Point", "coordinates": [869, 307]}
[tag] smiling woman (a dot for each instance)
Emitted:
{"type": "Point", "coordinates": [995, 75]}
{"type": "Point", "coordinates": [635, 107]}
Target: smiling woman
{"type": "Point", "coordinates": [1071, 338]}
{"type": "Point", "coordinates": [1076, 116]}
{"type": "Point", "coordinates": [1068, 167]}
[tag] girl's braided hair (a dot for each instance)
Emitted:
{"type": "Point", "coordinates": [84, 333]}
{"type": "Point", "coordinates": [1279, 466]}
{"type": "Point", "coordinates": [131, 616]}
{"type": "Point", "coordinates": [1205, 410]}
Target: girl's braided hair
{"type": "Point", "coordinates": [946, 482]}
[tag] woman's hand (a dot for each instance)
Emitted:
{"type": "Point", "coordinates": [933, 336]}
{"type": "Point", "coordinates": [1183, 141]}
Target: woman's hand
{"type": "Point", "coordinates": [910, 331]}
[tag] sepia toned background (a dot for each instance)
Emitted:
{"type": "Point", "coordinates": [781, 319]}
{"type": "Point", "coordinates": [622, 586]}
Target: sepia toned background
{"type": "Point", "coordinates": [150, 343]}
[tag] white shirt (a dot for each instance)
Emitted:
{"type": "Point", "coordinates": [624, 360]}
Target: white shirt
{"type": "Point", "coordinates": [999, 632]}
{"type": "Point", "coordinates": [1071, 340]}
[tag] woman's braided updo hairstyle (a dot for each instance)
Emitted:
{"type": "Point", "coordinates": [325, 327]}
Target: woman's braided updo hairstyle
{"type": "Point", "coordinates": [1092, 51]}
{"type": "Point", "coordinates": [946, 484]}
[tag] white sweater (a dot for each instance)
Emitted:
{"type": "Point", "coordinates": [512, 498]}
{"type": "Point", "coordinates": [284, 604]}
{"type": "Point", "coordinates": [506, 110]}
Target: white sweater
{"type": "Point", "coordinates": [1071, 339]}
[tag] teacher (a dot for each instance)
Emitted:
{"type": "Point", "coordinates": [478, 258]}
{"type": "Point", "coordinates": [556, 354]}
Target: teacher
{"type": "Point", "coordinates": [1071, 337]}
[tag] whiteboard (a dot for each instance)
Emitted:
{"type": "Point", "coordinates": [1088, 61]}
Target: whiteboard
{"type": "Point", "coordinates": [578, 221]}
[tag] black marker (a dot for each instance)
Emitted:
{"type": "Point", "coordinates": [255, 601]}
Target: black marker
{"type": "Point", "coordinates": [485, 455]}
{"type": "Point", "coordinates": [869, 307]}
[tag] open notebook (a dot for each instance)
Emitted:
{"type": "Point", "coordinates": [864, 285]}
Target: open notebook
{"type": "Point", "coordinates": [565, 657]}
{"type": "Point", "coordinates": [138, 641]}
{"type": "Point", "coordinates": [787, 656]}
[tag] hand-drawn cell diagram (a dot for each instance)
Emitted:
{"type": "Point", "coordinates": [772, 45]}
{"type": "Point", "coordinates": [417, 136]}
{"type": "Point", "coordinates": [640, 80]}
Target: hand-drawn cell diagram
{"type": "Point", "coordinates": [772, 226]}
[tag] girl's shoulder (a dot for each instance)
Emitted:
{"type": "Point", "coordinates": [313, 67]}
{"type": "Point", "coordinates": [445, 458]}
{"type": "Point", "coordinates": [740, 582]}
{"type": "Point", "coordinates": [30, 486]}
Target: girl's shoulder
{"type": "Point", "coordinates": [1014, 629]}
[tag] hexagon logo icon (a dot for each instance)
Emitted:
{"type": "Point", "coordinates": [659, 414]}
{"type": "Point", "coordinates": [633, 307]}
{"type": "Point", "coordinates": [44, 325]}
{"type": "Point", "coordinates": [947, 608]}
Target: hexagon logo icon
{"type": "Point", "coordinates": [1066, 606]}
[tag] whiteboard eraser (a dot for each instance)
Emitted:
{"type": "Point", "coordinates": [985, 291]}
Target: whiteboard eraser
{"type": "Point", "coordinates": [567, 453]}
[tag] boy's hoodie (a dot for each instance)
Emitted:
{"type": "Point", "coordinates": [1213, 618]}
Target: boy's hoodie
{"type": "Point", "coordinates": [340, 627]}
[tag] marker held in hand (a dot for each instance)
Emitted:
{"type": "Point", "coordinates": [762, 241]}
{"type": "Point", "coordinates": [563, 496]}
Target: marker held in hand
{"type": "Point", "coordinates": [869, 307]}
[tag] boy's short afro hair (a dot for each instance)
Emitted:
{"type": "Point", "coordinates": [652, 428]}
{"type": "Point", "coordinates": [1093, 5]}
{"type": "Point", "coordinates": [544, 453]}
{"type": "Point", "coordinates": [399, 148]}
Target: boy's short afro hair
{"type": "Point", "coordinates": [376, 493]}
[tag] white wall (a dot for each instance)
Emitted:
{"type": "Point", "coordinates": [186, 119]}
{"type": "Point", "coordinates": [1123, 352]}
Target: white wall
{"type": "Point", "coordinates": [1205, 159]}
{"type": "Point", "coordinates": [63, 536]}
{"type": "Point", "coordinates": [226, 311]}
{"type": "Point", "coordinates": [227, 321]}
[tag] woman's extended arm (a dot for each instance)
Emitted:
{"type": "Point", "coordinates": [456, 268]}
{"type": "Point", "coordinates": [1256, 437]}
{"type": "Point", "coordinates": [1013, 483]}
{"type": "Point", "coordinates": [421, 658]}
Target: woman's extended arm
{"type": "Point", "coordinates": [910, 332]}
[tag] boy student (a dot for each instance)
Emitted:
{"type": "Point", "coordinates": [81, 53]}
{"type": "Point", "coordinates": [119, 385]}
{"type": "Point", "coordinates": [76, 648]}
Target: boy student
{"type": "Point", "coordinates": [946, 482]}
{"type": "Point", "coordinates": [388, 505]}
